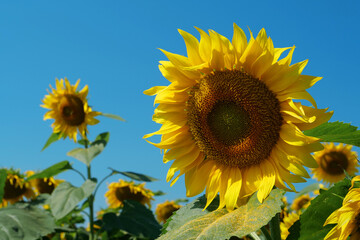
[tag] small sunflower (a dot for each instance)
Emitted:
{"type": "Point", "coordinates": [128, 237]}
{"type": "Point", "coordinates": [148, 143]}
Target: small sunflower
{"type": "Point", "coordinates": [301, 202]}
{"type": "Point", "coordinates": [70, 110]}
{"type": "Point", "coordinates": [165, 210]}
{"type": "Point", "coordinates": [287, 222]}
{"type": "Point", "coordinates": [347, 217]}
{"type": "Point", "coordinates": [16, 188]}
{"type": "Point", "coordinates": [120, 191]}
{"type": "Point", "coordinates": [43, 185]}
{"type": "Point", "coordinates": [228, 117]}
{"type": "Point", "coordinates": [333, 160]}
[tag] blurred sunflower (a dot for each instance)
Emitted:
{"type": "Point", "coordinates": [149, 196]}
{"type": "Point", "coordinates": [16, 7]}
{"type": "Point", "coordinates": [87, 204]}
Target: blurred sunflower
{"type": "Point", "coordinates": [347, 217]}
{"type": "Point", "coordinates": [120, 191]}
{"type": "Point", "coordinates": [287, 222]}
{"type": "Point", "coordinates": [43, 185]}
{"type": "Point", "coordinates": [333, 160]}
{"type": "Point", "coordinates": [16, 188]}
{"type": "Point", "coordinates": [301, 202]}
{"type": "Point", "coordinates": [70, 110]}
{"type": "Point", "coordinates": [165, 210]}
{"type": "Point", "coordinates": [228, 117]}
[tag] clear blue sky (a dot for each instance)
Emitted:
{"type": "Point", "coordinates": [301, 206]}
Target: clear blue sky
{"type": "Point", "coordinates": [112, 46]}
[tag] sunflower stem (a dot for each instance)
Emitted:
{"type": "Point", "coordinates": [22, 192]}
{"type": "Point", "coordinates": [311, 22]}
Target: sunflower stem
{"type": "Point", "coordinates": [91, 202]}
{"type": "Point", "coordinates": [275, 227]}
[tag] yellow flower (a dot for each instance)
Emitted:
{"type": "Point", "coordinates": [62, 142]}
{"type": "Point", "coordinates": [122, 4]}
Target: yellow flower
{"type": "Point", "coordinates": [165, 210]}
{"type": "Point", "coordinates": [287, 222]}
{"type": "Point", "coordinates": [346, 218]}
{"type": "Point", "coordinates": [120, 191]}
{"type": "Point", "coordinates": [333, 160]}
{"type": "Point", "coordinates": [228, 117]}
{"type": "Point", "coordinates": [301, 202]}
{"type": "Point", "coordinates": [16, 188]}
{"type": "Point", "coordinates": [70, 110]}
{"type": "Point", "coordinates": [43, 185]}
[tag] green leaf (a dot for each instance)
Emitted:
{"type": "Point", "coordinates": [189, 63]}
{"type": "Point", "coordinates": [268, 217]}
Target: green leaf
{"type": "Point", "coordinates": [135, 176]}
{"type": "Point", "coordinates": [310, 188]}
{"type": "Point", "coordinates": [52, 171]}
{"type": "Point", "coordinates": [86, 155]}
{"type": "Point", "coordinates": [53, 138]}
{"type": "Point", "coordinates": [102, 138]}
{"type": "Point", "coordinates": [84, 142]}
{"type": "Point", "coordinates": [135, 219]}
{"type": "Point", "coordinates": [25, 223]}
{"type": "Point", "coordinates": [193, 222]}
{"type": "Point", "coordinates": [3, 175]}
{"type": "Point", "coordinates": [310, 224]}
{"type": "Point", "coordinates": [113, 116]}
{"type": "Point", "coordinates": [66, 197]}
{"type": "Point", "coordinates": [336, 132]}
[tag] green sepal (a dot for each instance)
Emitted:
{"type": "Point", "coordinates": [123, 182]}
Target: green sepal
{"type": "Point", "coordinates": [53, 138]}
{"type": "Point", "coordinates": [336, 132]}
{"type": "Point", "coordinates": [52, 170]}
{"type": "Point", "coordinates": [113, 116]}
{"type": "Point", "coordinates": [65, 197]}
{"type": "Point", "coordinates": [135, 176]}
{"type": "Point", "coordinates": [3, 175]}
{"type": "Point", "coordinates": [192, 221]}
{"type": "Point", "coordinates": [310, 224]}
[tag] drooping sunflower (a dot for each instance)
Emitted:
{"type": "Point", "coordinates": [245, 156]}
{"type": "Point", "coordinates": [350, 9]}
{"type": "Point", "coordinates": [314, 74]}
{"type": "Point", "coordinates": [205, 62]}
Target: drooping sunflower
{"type": "Point", "coordinates": [287, 222]}
{"type": "Point", "coordinates": [228, 117]}
{"type": "Point", "coordinates": [16, 188]}
{"type": "Point", "coordinates": [43, 185]}
{"type": "Point", "coordinates": [347, 217]}
{"type": "Point", "coordinates": [333, 160]}
{"type": "Point", "coordinates": [301, 202]}
{"type": "Point", "coordinates": [165, 210]}
{"type": "Point", "coordinates": [69, 108]}
{"type": "Point", "coordinates": [120, 191]}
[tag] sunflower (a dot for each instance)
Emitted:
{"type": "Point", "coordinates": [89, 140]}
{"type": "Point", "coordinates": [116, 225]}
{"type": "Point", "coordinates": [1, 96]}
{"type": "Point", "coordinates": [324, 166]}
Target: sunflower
{"type": "Point", "coordinates": [120, 191]}
{"type": "Point", "coordinates": [228, 117]}
{"type": "Point", "coordinates": [165, 210]}
{"type": "Point", "coordinates": [333, 160]}
{"type": "Point", "coordinates": [346, 218]}
{"type": "Point", "coordinates": [70, 110]}
{"type": "Point", "coordinates": [287, 222]}
{"type": "Point", "coordinates": [16, 188]}
{"type": "Point", "coordinates": [301, 202]}
{"type": "Point", "coordinates": [43, 185]}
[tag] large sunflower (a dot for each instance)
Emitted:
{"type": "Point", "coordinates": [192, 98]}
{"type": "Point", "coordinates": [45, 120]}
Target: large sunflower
{"type": "Point", "coordinates": [43, 185]}
{"type": "Point", "coordinates": [333, 160]}
{"type": "Point", "coordinates": [69, 108]}
{"type": "Point", "coordinates": [346, 218]}
{"type": "Point", "coordinates": [120, 191]}
{"type": "Point", "coordinates": [229, 120]}
{"type": "Point", "coordinates": [16, 188]}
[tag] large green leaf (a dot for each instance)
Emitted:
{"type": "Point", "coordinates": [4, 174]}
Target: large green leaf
{"type": "Point", "coordinates": [66, 197]}
{"type": "Point", "coordinates": [310, 226]}
{"type": "Point", "coordinates": [193, 222]}
{"type": "Point", "coordinates": [25, 223]}
{"type": "Point", "coordinates": [102, 138]}
{"type": "Point", "coordinates": [135, 219]}
{"type": "Point", "coordinates": [135, 176]}
{"type": "Point", "coordinates": [336, 132]}
{"type": "Point", "coordinates": [53, 138]}
{"type": "Point", "coordinates": [3, 175]}
{"type": "Point", "coordinates": [86, 155]}
{"type": "Point", "coordinates": [52, 171]}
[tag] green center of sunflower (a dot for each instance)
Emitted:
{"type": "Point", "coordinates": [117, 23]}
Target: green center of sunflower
{"type": "Point", "coordinates": [334, 163]}
{"type": "Point", "coordinates": [72, 110]}
{"type": "Point", "coordinates": [234, 118]}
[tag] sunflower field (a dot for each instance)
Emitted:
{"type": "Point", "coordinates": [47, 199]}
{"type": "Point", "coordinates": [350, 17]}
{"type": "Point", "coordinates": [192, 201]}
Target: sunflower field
{"type": "Point", "coordinates": [236, 121]}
